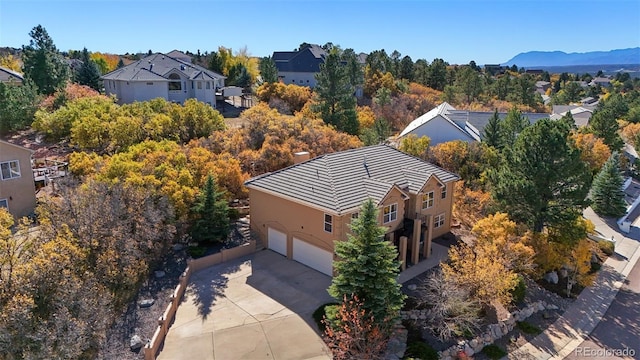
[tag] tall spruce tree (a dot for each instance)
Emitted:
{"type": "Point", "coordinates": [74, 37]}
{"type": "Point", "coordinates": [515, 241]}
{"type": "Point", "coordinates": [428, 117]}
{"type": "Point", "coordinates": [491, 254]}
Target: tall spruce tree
{"type": "Point", "coordinates": [336, 99]}
{"type": "Point", "coordinates": [88, 74]}
{"type": "Point", "coordinates": [212, 214]}
{"type": "Point", "coordinates": [368, 268]}
{"type": "Point", "coordinates": [607, 196]}
{"type": "Point", "coordinates": [492, 134]}
{"type": "Point", "coordinates": [43, 64]}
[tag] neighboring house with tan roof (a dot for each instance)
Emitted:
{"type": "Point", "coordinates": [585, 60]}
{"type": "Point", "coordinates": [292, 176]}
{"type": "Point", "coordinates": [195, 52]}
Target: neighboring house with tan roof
{"type": "Point", "coordinates": [162, 76]}
{"type": "Point", "coordinates": [17, 188]}
{"type": "Point", "coordinates": [10, 76]}
{"type": "Point", "coordinates": [444, 123]}
{"type": "Point", "coordinates": [302, 210]}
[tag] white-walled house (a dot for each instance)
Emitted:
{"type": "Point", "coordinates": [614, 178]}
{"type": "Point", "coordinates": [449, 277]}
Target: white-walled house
{"type": "Point", "coordinates": [444, 123]}
{"type": "Point", "coordinates": [160, 75]}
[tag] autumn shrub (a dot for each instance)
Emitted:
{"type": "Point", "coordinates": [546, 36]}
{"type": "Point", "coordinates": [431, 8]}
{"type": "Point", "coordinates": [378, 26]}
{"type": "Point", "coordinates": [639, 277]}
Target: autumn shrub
{"type": "Point", "coordinates": [452, 309]}
{"type": "Point", "coordinates": [358, 335]}
{"type": "Point", "coordinates": [607, 247]}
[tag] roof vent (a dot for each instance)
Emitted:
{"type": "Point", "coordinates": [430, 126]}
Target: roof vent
{"type": "Point", "coordinates": [150, 67]}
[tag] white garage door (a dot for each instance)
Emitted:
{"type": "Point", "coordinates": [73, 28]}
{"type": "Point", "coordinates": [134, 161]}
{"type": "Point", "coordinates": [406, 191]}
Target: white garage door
{"type": "Point", "coordinates": [278, 241]}
{"type": "Point", "coordinates": [313, 256]}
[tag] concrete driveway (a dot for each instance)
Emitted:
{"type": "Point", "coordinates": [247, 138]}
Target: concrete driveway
{"type": "Point", "coordinates": [257, 307]}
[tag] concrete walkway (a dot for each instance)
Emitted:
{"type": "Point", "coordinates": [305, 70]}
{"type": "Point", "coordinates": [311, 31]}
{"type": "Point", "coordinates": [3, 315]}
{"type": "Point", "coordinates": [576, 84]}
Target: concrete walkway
{"type": "Point", "coordinates": [258, 307]}
{"type": "Point", "coordinates": [570, 330]}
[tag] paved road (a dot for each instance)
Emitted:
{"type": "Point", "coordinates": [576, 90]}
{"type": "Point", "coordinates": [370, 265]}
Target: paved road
{"type": "Point", "coordinates": [619, 328]}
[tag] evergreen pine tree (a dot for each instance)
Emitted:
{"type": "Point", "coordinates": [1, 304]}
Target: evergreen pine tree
{"type": "Point", "coordinates": [120, 64]}
{"type": "Point", "coordinates": [368, 268]}
{"type": "Point", "coordinates": [492, 134]}
{"type": "Point", "coordinates": [604, 125]}
{"type": "Point", "coordinates": [43, 64]}
{"type": "Point", "coordinates": [336, 99]}
{"type": "Point", "coordinates": [268, 70]}
{"type": "Point", "coordinates": [607, 195]}
{"type": "Point", "coordinates": [88, 74]}
{"type": "Point", "coordinates": [212, 215]}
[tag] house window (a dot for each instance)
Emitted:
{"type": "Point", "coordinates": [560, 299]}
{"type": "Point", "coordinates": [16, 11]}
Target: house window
{"type": "Point", "coordinates": [4, 204]}
{"type": "Point", "coordinates": [10, 169]}
{"type": "Point", "coordinates": [355, 215]}
{"type": "Point", "coordinates": [199, 85]}
{"type": "Point", "coordinates": [444, 192]}
{"type": "Point", "coordinates": [208, 85]}
{"type": "Point", "coordinates": [427, 200]}
{"type": "Point", "coordinates": [192, 85]}
{"type": "Point", "coordinates": [389, 213]}
{"type": "Point", "coordinates": [438, 221]}
{"type": "Point", "coordinates": [174, 82]}
{"type": "Point", "coordinates": [149, 83]}
{"type": "Point", "coordinates": [328, 223]}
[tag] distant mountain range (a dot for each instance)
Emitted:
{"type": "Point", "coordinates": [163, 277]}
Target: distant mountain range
{"type": "Point", "coordinates": [560, 58]}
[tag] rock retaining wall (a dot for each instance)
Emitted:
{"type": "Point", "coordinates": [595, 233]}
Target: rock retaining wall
{"type": "Point", "coordinates": [492, 333]}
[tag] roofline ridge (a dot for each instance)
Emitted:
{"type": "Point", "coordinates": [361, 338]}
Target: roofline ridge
{"type": "Point", "coordinates": [334, 194]}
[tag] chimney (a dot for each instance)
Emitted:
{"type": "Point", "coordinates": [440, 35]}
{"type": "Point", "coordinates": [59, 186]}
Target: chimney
{"type": "Point", "coordinates": [301, 157]}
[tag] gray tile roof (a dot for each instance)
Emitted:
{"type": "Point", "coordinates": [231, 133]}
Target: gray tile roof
{"type": "Point", "coordinates": [8, 75]}
{"type": "Point", "coordinates": [157, 67]}
{"type": "Point", "coordinates": [480, 119]}
{"type": "Point", "coordinates": [340, 182]}
{"type": "Point", "coordinates": [469, 122]}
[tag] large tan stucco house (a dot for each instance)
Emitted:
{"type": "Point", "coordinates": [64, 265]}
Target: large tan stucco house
{"type": "Point", "coordinates": [302, 210]}
{"type": "Point", "coordinates": [17, 189]}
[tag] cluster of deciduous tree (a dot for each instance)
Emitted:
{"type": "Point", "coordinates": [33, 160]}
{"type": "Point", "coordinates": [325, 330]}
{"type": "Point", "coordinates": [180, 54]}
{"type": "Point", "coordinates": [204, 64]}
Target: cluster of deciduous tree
{"type": "Point", "coordinates": [98, 124]}
{"type": "Point", "coordinates": [62, 283]}
{"type": "Point", "coordinates": [287, 99]}
{"type": "Point", "coordinates": [240, 68]}
{"type": "Point", "coordinates": [171, 170]}
{"type": "Point", "coordinates": [269, 139]}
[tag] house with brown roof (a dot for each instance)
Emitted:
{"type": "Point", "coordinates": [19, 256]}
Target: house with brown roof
{"type": "Point", "coordinates": [162, 76]}
{"type": "Point", "coordinates": [302, 210]}
{"type": "Point", "coordinates": [17, 188]}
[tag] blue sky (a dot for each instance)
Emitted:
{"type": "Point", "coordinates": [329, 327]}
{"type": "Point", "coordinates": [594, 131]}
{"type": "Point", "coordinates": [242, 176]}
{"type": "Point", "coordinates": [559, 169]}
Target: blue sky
{"type": "Point", "coordinates": [456, 30]}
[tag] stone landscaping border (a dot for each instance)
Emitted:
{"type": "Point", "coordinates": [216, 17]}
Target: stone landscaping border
{"type": "Point", "coordinates": [492, 333]}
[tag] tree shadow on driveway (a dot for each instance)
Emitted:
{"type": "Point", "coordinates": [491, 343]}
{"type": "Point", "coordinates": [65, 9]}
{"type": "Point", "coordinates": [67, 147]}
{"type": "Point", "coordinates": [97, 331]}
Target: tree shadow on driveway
{"type": "Point", "coordinates": [208, 285]}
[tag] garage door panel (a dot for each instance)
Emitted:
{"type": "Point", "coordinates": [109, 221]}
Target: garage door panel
{"type": "Point", "coordinates": [277, 241]}
{"type": "Point", "coordinates": [313, 256]}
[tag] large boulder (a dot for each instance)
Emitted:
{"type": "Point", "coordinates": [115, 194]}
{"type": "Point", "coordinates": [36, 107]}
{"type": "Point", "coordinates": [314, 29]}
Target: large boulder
{"type": "Point", "coordinates": [136, 342]}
